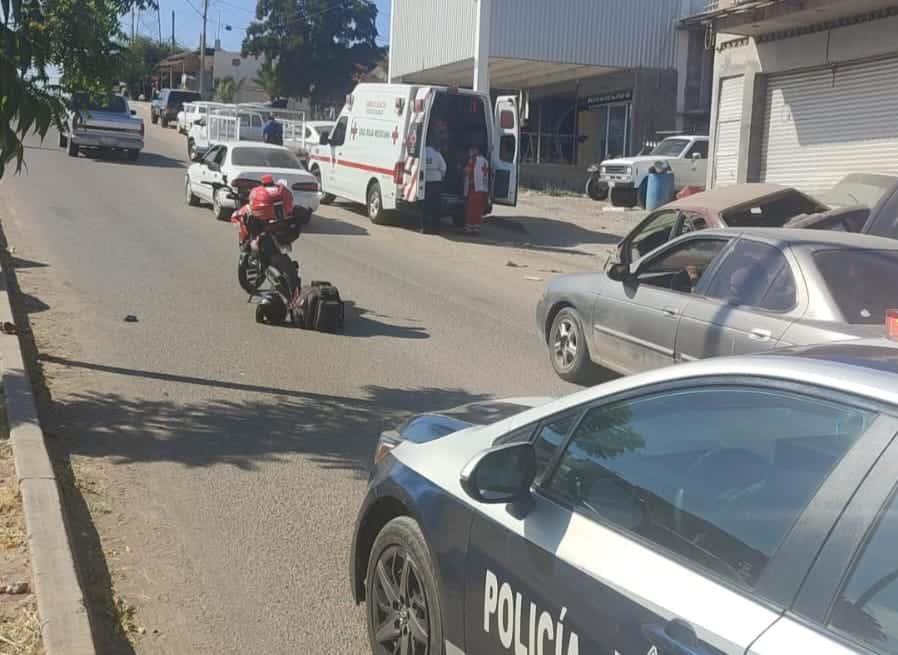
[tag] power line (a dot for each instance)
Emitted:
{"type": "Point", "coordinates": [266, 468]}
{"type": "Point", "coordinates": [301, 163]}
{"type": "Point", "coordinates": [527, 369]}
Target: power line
{"type": "Point", "coordinates": [197, 11]}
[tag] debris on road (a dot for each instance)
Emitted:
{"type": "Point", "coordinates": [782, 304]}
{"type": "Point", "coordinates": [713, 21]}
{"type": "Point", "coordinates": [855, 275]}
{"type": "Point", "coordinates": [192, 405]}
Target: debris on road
{"type": "Point", "coordinates": [130, 318]}
{"type": "Point", "coordinates": [8, 328]}
{"type": "Point", "coordinates": [15, 588]}
{"type": "Point", "coordinates": [533, 278]}
{"type": "Point", "coordinates": [512, 264]}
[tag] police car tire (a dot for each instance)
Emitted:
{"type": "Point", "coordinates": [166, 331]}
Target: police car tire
{"type": "Point", "coordinates": [405, 533]}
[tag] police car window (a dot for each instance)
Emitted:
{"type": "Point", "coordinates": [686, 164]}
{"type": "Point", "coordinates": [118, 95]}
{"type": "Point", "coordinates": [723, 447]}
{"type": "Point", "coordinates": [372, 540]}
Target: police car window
{"type": "Point", "coordinates": [867, 608]}
{"type": "Point", "coordinates": [717, 476]}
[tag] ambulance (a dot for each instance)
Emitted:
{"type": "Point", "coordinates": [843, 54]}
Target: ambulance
{"type": "Point", "coordinates": [374, 153]}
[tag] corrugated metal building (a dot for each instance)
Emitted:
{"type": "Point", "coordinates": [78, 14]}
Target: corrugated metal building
{"type": "Point", "coordinates": [803, 93]}
{"type": "Point", "coordinates": [599, 78]}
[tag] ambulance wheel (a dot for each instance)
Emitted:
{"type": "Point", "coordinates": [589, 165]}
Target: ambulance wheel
{"type": "Point", "coordinates": [402, 599]}
{"type": "Point", "coordinates": [323, 198]}
{"type": "Point", "coordinates": [376, 204]}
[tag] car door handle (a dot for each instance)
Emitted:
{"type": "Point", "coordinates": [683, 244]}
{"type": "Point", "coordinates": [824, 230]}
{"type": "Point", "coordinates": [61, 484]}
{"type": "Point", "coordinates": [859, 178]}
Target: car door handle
{"type": "Point", "coordinates": [672, 312]}
{"type": "Point", "coordinates": [675, 638]}
{"type": "Point", "coordinates": [757, 334]}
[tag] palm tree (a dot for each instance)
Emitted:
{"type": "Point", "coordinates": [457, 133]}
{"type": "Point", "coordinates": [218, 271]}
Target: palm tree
{"type": "Point", "coordinates": [268, 80]}
{"type": "Point", "coordinates": [227, 89]}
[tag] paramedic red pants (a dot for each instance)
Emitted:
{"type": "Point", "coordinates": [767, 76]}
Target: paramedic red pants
{"type": "Point", "coordinates": [475, 208]}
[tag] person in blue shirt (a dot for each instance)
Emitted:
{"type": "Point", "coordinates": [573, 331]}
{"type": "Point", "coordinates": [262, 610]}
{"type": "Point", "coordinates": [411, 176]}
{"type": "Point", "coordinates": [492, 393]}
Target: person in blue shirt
{"type": "Point", "coordinates": [273, 132]}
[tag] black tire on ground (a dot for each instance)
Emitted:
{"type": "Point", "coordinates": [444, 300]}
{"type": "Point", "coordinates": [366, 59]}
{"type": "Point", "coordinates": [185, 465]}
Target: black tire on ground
{"type": "Point", "coordinates": [412, 601]}
{"type": "Point", "coordinates": [164, 121]}
{"type": "Point", "coordinates": [260, 314]}
{"type": "Point", "coordinates": [63, 140]}
{"type": "Point", "coordinates": [375, 204]}
{"type": "Point", "coordinates": [323, 198]}
{"type": "Point", "coordinates": [568, 351]}
{"type": "Point", "coordinates": [221, 213]}
{"type": "Point", "coordinates": [73, 149]}
{"type": "Point", "coordinates": [596, 188]}
{"type": "Point", "coordinates": [192, 199]}
{"type": "Point", "coordinates": [191, 156]}
{"type": "Point", "coordinates": [153, 118]}
{"type": "Point", "coordinates": [458, 220]}
{"type": "Point", "coordinates": [133, 155]}
{"type": "Point", "coordinates": [624, 197]}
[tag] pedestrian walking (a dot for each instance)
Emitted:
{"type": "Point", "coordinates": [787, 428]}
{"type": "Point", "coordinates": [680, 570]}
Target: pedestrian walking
{"type": "Point", "coordinates": [477, 181]}
{"type": "Point", "coordinates": [273, 132]}
{"type": "Point", "coordinates": [434, 175]}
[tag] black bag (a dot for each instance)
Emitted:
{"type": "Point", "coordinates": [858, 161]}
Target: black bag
{"type": "Point", "coordinates": [321, 308]}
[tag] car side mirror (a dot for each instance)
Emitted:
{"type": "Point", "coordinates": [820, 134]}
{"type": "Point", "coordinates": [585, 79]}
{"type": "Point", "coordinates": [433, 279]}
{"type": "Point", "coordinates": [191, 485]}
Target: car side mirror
{"type": "Point", "coordinates": [323, 140]}
{"type": "Point", "coordinates": [134, 112]}
{"type": "Point", "coordinates": [696, 156]}
{"type": "Point", "coordinates": [500, 475]}
{"type": "Point", "coordinates": [619, 272]}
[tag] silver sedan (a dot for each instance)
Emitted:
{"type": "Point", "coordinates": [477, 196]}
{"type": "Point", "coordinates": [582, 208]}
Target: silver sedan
{"type": "Point", "coordinates": [719, 292]}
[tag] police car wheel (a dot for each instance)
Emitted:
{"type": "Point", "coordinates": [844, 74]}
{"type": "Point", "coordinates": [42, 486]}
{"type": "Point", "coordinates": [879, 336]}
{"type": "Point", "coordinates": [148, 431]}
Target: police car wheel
{"type": "Point", "coordinates": [403, 603]}
{"type": "Point", "coordinates": [567, 348]}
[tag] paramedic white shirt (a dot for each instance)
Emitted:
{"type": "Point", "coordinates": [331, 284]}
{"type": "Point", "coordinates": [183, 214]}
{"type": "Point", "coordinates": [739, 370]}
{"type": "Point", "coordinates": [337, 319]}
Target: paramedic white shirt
{"type": "Point", "coordinates": [434, 165]}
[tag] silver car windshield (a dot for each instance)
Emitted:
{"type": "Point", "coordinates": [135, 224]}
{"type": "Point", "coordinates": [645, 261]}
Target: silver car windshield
{"type": "Point", "coordinates": [670, 148]}
{"type": "Point", "coordinates": [267, 157]}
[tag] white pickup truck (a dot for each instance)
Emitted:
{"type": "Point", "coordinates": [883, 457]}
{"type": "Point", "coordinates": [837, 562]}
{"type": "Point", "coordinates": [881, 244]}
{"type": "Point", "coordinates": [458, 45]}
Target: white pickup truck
{"type": "Point", "coordinates": [687, 157]}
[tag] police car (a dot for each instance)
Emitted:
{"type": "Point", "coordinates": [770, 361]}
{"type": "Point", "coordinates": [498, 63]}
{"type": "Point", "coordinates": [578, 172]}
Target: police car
{"type": "Point", "coordinates": [741, 505]}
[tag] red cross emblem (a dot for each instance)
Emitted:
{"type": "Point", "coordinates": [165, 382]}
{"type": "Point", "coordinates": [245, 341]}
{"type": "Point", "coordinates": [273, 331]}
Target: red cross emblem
{"type": "Point", "coordinates": [354, 130]}
{"type": "Point", "coordinates": [395, 135]}
{"type": "Point", "coordinates": [412, 139]}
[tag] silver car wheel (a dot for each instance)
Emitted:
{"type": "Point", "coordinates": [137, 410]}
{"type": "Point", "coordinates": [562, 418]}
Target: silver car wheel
{"type": "Point", "coordinates": [565, 346]}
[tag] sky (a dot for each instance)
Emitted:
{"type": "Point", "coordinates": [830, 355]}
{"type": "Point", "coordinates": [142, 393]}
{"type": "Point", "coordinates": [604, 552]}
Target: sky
{"type": "Point", "coordinates": [236, 13]}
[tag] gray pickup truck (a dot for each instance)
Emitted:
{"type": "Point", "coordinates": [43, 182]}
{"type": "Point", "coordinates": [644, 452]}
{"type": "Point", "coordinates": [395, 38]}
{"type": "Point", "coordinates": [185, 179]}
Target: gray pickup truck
{"type": "Point", "coordinates": [104, 125]}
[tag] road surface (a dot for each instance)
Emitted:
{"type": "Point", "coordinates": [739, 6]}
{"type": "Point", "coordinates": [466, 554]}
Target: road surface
{"type": "Point", "coordinates": [224, 461]}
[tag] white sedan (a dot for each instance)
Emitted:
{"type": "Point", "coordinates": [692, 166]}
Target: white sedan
{"type": "Point", "coordinates": [208, 179]}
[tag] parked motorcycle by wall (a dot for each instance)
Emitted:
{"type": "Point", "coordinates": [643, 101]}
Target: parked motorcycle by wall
{"type": "Point", "coordinates": [595, 187]}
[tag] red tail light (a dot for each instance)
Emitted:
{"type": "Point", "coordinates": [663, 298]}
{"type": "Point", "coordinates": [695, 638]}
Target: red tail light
{"type": "Point", "coordinates": [398, 172]}
{"type": "Point", "coordinates": [892, 323]}
{"type": "Point", "coordinates": [306, 186]}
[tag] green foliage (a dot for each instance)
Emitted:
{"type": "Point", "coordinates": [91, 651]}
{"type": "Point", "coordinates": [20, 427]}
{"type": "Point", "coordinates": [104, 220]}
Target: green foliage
{"type": "Point", "coordinates": [321, 46]}
{"type": "Point", "coordinates": [78, 37]}
{"type": "Point", "coordinates": [268, 80]}
{"type": "Point", "coordinates": [227, 89]}
{"type": "Point", "coordinates": [140, 58]}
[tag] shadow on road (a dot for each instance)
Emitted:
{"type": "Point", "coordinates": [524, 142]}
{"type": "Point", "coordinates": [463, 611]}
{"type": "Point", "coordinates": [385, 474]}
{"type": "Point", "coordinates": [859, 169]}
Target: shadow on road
{"type": "Point", "coordinates": [148, 159]}
{"type": "Point", "coordinates": [361, 322]}
{"type": "Point", "coordinates": [322, 225]}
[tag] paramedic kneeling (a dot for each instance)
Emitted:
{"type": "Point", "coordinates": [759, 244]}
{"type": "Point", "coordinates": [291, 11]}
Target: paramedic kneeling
{"type": "Point", "coordinates": [434, 174]}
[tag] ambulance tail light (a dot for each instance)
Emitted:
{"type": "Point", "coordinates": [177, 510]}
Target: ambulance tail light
{"type": "Point", "coordinates": [398, 171]}
{"type": "Point", "coordinates": [892, 323]}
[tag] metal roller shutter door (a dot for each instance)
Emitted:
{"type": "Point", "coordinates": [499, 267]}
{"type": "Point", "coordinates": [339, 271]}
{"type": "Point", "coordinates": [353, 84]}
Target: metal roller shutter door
{"type": "Point", "coordinates": [729, 125]}
{"type": "Point", "coordinates": [823, 124]}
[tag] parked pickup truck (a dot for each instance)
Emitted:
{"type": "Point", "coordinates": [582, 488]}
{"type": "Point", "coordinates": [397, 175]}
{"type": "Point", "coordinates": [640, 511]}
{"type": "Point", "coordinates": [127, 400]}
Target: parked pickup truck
{"type": "Point", "coordinates": [687, 157]}
{"type": "Point", "coordinates": [104, 125]}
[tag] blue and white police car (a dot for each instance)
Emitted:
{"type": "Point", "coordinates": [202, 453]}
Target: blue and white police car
{"type": "Point", "coordinates": [742, 505]}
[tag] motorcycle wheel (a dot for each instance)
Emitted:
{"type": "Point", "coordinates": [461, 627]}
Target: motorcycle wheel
{"type": "Point", "coordinates": [249, 272]}
{"type": "Point", "coordinates": [596, 189]}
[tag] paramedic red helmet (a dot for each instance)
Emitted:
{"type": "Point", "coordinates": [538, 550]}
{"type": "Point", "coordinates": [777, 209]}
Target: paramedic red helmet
{"type": "Point", "coordinates": [268, 180]}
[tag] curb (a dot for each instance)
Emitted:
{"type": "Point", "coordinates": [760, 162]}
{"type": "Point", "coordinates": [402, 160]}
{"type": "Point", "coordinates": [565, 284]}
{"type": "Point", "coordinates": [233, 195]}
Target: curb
{"type": "Point", "coordinates": [65, 627]}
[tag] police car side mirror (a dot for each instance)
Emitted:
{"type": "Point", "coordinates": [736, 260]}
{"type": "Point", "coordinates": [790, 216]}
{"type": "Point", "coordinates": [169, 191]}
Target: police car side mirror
{"type": "Point", "coordinates": [500, 475]}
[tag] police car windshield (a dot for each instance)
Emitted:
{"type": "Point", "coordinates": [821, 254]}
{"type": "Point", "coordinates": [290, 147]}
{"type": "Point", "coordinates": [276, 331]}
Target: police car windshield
{"type": "Point", "coordinates": [268, 157]}
{"type": "Point", "coordinates": [670, 148]}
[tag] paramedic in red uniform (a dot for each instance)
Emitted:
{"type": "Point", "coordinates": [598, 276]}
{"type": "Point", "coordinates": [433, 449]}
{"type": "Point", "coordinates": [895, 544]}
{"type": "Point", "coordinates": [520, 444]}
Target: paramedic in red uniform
{"type": "Point", "coordinates": [477, 180]}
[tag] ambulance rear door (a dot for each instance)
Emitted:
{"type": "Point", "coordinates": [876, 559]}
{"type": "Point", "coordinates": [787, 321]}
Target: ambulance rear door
{"type": "Point", "coordinates": [506, 151]}
{"type": "Point", "coordinates": [415, 143]}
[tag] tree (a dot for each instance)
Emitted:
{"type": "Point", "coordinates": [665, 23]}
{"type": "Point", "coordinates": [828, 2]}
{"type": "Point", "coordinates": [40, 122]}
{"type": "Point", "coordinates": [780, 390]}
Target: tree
{"type": "Point", "coordinates": [227, 89]}
{"type": "Point", "coordinates": [320, 45]}
{"type": "Point", "coordinates": [80, 38]}
{"type": "Point", "coordinates": [268, 80]}
{"type": "Point", "coordinates": [140, 59]}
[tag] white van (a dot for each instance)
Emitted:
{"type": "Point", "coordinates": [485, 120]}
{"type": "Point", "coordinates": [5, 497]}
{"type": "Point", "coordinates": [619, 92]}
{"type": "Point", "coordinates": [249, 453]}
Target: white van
{"type": "Point", "coordinates": [373, 154]}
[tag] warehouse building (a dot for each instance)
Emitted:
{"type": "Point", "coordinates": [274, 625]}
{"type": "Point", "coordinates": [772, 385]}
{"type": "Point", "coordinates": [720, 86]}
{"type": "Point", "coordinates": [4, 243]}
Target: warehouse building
{"type": "Point", "coordinates": [804, 92]}
{"type": "Point", "coordinates": [597, 78]}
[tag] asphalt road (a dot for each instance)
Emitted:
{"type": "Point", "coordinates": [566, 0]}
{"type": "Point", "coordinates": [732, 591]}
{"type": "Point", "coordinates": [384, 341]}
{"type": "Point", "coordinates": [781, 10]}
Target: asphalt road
{"type": "Point", "coordinates": [227, 458]}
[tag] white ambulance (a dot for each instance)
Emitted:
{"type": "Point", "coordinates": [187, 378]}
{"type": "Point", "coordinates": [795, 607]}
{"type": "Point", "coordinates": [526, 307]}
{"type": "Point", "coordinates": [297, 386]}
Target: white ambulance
{"type": "Point", "coordinates": [373, 155]}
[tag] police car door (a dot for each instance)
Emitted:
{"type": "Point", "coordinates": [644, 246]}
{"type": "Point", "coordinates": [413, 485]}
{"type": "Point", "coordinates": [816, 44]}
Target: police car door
{"type": "Point", "coordinates": [655, 530]}
{"type": "Point", "coordinates": [506, 151]}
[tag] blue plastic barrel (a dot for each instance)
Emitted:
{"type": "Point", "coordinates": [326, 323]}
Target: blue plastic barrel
{"type": "Point", "coordinates": [659, 189]}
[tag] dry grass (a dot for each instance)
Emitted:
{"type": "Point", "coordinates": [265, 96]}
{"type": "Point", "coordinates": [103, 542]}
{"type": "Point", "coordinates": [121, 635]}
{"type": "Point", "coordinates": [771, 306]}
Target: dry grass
{"type": "Point", "coordinates": [21, 635]}
{"type": "Point", "coordinates": [12, 527]}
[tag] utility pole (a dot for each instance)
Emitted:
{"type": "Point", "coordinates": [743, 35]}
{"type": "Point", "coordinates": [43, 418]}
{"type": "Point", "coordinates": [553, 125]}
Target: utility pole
{"type": "Point", "coordinates": [482, 47]}
{"type": "Point", "coordinates": [159, 23]}
{"type": "Point", "coordinates": [173, 47]}
{"type": "Point", "coordinates": [203, 49]}
{"type": "Point", "coordinates": [132, 24]}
